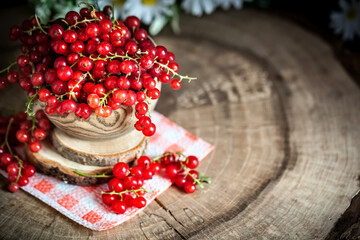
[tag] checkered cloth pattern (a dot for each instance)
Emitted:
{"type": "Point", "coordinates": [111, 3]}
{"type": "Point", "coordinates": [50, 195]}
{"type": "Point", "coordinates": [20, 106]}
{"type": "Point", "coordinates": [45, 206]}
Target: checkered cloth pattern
{"type": "Point", "coordinates": [84, 205]}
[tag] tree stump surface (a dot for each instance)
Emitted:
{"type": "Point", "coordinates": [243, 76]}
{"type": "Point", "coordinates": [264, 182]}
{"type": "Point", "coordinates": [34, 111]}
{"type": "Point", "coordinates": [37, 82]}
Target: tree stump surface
{"type": "Point", "coordinates": [283, 116]}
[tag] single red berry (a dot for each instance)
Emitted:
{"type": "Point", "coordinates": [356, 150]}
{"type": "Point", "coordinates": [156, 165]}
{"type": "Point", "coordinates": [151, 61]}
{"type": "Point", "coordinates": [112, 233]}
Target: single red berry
{"type": "Point", "coordinates": [104, 48]}
{"type": "Point", "coordinates": [83, 111]}
{"type": "Point", "coordinates": [120, 95]}
{"type": "Point", "coordinates": [139, 202]}
{"type": "Point", "coordinates": [3, 83]}
{"type": "Point", "coordinates": [127, 66]}
{"type": "Point", "coordinates": [39, 134]}
{"type": "Point", "coordinates": [132, 22]}
{"type": "Point", "coordinates": [148, 174]}
{"type": "Point", "coordinates": [5, 159]}
{"type": "Point", "coordinates": [193, 174]}
{"type": "Point", "coordinates": [23, 60]}
{"type": "Point", "coordinates": [23, 181]}
{"type": "Point", "coordinates": [56, 31]}
{"type": "Point", "coordinates": [12, 169]}
{"type": "Point", "coordinates": [130, 182]}
{"type": "Point", "coordinates": [153, 93]}
{"type": "Point", "coordinates": [13, 187]}
{"type": "Point", "coordinates": [92, 30]}
{"type": "Point", "coordinates": [12, 76]}
{"type": "Point", "coordinates": [164, 77]}
{"type": "Point", "coordinates": [44, 94]}
{"type": "Point", "coordinates": [179, 181]}
{"type": "Point", "coordinates": [140, 34]}
{"type": "Point", "coordinates": [121, 170]}
{"type": "Point", "coordinates": [22, 136]}
{"type": "Point", "coordinates": [77, 47]}
{"type": "Point", "coordinates": [161, 52]}
{"type": "Point", "coordinates": [108, 199]}
{"type": "Point", "coordinates": [35, 146]}
{"type": "Point", "coordinates": [144, 162]}
{"type": "Point", "coordinates": [175, 84]}
{"type": "Point", "coordinates": [123, 83]}
{"type": "Point", "coordinates": [189, 187]}
{"type": "Point", "coordinates": [70, 36]}
{"type": "Point", "coordinates": [137, 171]}
{"type": "Point", "coordinates": [171, 170]}
{"type": "Point", "coordinates": [130, 98]}
{"type": "Point", "coordinates": [155, 167]}
{"type": "Point", "coordinates": [65, 73]}
{"type": "Point", "coordinates": [44, 123]}
{"type": "Point", "coordinates": [68, 106]}
{"type": "Point", "coordinates": [149, 83]}
{"type": "Point", "coordinates": [140, 96]}
{"type": "Point", "coordinates": [129, 201]}
{"type": "Point", "coordinates": [29, 171]}
{"type": "Point", "coordinates": [149, 131]}
{"type": "Point", "coordinates": [146, 61]}
{"type": "Point", "coordinates": [141, 108]}
{"type": "Point", "coordinates": [105, 26]}
{"type": "Point", "coordinates": [85, 64]}
{"type": "Point", "coordinates": [72, 17]}
{"type": "Point", "coordinates": [116, 185]}
{"type": "Point", "coordinates": [113, 67]}
{"type": "Point", "coordinates": [118, 207]}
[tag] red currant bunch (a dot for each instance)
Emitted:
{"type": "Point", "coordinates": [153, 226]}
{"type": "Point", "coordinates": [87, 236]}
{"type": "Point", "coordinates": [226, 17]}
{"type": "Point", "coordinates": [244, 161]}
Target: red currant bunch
{"type": "Point", "coordinates": [181, 170]}
{"type": "Point", "coordinates": [19, 171]}
{"type": "Point", "coordinates": [126, 188]}
{"type": "Point", "coordinates": [86, 62]}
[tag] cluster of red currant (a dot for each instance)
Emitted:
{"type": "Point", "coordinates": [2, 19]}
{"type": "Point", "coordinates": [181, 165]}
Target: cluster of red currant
{"type": "Point", "coordinates": [126, 187]}
{"type": "Point", "coordinates": [87, 62]}
{"type": "Point", "coordinates": [25, 131]}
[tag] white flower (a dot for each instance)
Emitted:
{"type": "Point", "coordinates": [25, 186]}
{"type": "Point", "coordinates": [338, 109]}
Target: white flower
{"type": "Point", "coordinates": [147, 10]}
{"type": "Point", "coordinates": [226, 4]}
{"type": "Point", "coordinates": [198, 7]}
{"type": "Point", "coordinates": [119, 11]}
{"type": "Point", "coordinates": [347, 21]}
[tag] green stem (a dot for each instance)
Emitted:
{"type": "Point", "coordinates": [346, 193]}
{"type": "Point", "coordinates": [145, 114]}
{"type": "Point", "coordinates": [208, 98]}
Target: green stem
{"type": "Point", "coordinates": [29, 103]}
{"type": "Point", "coordinates": [37, 20]}
{"type": "Point", "coordinates": [7, 137]}
{"type": "Point", "coordinates": [94, 176]}
{"type": "Point", "coordinates": [8, 68]}
{"type": "Point", "coordinates": [128, 191]}
{"type": "Point", "coordinates": [181, 77]}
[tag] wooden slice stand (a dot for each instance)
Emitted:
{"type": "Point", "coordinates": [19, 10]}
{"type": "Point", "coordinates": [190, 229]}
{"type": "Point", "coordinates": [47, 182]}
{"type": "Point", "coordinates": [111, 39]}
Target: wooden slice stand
{"type": "Point", "coordinates": [91, 146]}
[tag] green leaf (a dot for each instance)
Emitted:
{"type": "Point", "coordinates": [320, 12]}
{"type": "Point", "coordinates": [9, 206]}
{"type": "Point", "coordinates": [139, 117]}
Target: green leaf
{"type": "Point", "coordinates": [158, 24]}
{"type": "Point", "coordinates": [175, 20]}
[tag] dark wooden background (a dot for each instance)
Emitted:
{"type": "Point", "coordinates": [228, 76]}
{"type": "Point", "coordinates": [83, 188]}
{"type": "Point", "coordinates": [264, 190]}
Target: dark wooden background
{"type": "Point", "coordinates": [283, 115]}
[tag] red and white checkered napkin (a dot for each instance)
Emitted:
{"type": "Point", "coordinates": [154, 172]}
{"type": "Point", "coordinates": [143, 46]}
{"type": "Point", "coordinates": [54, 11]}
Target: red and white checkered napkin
{"type": "Point", "coordinates": [84, 205]}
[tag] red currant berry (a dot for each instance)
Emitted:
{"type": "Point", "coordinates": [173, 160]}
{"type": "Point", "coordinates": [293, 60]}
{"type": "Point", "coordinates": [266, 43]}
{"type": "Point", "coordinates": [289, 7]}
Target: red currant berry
{"type": "Point", "coordinates": [104, 48]}
{"type": "Point", "coordinates": [121, 170]}
{"type": "Point", "coordinates": [127, 66]}
{"type": "Point", "coordinates": [189, 187]}
{"type": "Point", "coordinates": [140, 34]}
{"type": "Point", "coordinates": [149, 131]}
{"type": "Point", "coordinates": [148, 174]}
{"type": "Point", "coordinates": [132, 22]}
{"type": "Point", "coordinates": [180, 181]}
{"type": "Point", "coordinates": [23, 181]}
{"type": "Point", "coordinates": [192, 162]}
{"type": "Point", "coordinates": [155, 167]}
{"type": "Point", "coordinates": [85, 64]}
{"type": "Point", "coordinates": [130, 182]}
{"type": "Point", "coordinates": [37, 79]}
{"type": "Point", "coordinates": [141, 108]}
{"type": "Point", "coordinates": [65, 73]}
{"type": "Point", "coordinates": [13, 187]}
{"type": "Point", "coordinates": [175, 84]}
{"type": "Point", "coordinates": [144, 162]}
{"type": "Point", "coordinates": [123, 83]}
{"type": "Point", "coordinates": [44, 94]}
{"type": "Point", "coordinates": [12, 169]}
{"type": "Point", "coordinates": [68, 106]}
{"type": "Point", "coordinates": [56, 31]}
{"type": "Point", "coordinates": [22, 136]}
{"type": "Point", "coordinates": [92, 30]}
{"type": "Point", "coordinates": [39, 134]}
{"type": "Point", "coordinates": [29, 171]}
{"type": "Point", "coordinates": [137, 171]}
{"type": "Point", "coordinates": [12, 76]}
{"type": "Point", "coordinates": [72, 17]}
{"type": "Point", "coordinates": [35, 146]}
{"type": "Point", "coordinates": [108, 199]}
{"type": "Point", "coordinates": [153, 93]}
{"type": "Point", "coordinates": [70, 36]}
{"type": "Point", "coordinates": [116, 185]}
{"type": "Point", "coordinates": [146, 61]}
{"type": "Point", "coordinates": [171, 170]}
{"type": "Point", "coordinates": [118, 207]}
{"type": "Point", "coordinates": [5, 159]}
{"type": "Point", "coordinates": [139, 202]}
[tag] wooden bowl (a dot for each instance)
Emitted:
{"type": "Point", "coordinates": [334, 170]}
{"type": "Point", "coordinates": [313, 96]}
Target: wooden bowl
{"type": "Point", "coordinates": [120, 122]}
